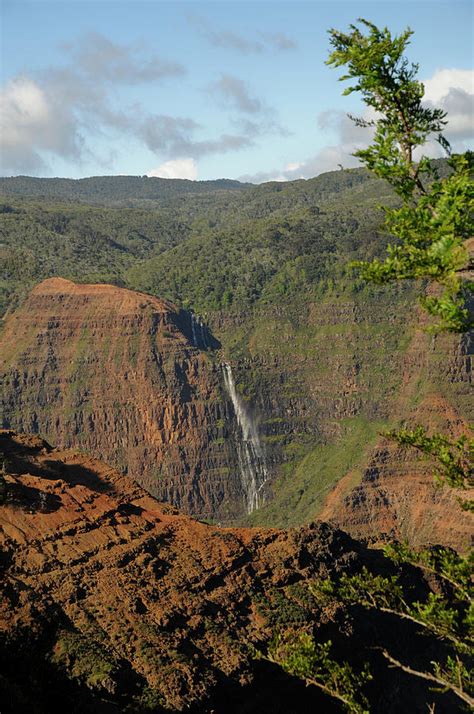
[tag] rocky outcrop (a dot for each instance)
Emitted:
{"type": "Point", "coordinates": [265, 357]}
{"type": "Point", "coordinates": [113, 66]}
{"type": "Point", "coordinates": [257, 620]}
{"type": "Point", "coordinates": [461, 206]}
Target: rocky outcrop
{"type": "Point", "coordinates": [397, 494]}
{"type": "Point", "coordinates": [115, 373]}
{"type": "Point", "coordinates": [111, 601]}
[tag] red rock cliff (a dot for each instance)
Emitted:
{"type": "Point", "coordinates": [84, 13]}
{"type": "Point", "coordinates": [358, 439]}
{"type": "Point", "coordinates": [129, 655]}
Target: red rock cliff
{"type": "Point", "coordinates": [397, 493]}
{"type": "Point", "coordinates": [114, 373]}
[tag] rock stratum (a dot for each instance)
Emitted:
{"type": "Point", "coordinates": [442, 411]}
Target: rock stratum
{"type": "Point", "coordinates": [126, 377]}
{"type": "Point", "coordinates": [113, 602]}
{"type": "Point", "coordinates": [396, 493]}
{"type": "Point", "coordinates": [115, 373]}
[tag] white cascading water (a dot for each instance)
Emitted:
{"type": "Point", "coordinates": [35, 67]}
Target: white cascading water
{"type": "Point", "coordinates": [249, 450]}
{"type": "Point", "coordinates": [193, 328]}
{"type": "Point", "coordinates": [199, 332]}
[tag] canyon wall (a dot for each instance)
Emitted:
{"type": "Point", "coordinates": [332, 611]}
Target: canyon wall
{"type": "Point", "coordinates": [396, 492]}
{"type": "Point", "coordinates": [115, 373]}
{"type": "Point", "coordinates": [276, 424]}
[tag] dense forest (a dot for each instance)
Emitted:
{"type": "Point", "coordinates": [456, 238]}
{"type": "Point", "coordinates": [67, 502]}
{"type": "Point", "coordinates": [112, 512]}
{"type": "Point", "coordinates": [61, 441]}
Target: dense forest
{"type": "Point", "coordinates": [206, 249]}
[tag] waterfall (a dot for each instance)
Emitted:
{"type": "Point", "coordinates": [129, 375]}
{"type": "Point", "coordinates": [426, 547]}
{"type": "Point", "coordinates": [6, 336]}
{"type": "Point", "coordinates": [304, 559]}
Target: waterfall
{"type": "Point", "coordinates": [193, 328]}
{"type": "Point", "coordinates": [199, 332]}
{"type": "Point", "coordinates": [249, 450]}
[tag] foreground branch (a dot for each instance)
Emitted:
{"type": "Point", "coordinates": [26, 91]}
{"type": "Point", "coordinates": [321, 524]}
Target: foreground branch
{"type": "Point", "coordinates": [430, 678]}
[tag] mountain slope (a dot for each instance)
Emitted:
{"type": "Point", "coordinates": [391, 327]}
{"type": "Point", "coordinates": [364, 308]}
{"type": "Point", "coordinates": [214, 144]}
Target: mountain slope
{"type": "Point", "coordinates": [113, 602]}
{"type": "Point", "coordinates": [115, 373]}
{"type": "Point", "coordinates": [396, 493]}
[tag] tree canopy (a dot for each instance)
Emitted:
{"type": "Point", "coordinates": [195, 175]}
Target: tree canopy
{"type": "Point", "coordinates": [434, 224]}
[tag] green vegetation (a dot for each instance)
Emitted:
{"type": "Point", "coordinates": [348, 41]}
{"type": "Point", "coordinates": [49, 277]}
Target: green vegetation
{"type": "Point", "coordinates": [310, 472]}
{"type": "Point", "coordinates": [84, 659]}
{"type": "Point", "coordinates": [311, 661]}
{"type": "Point", "coordinates": [447, 617]}
{"type": "Point", "coordinates": [435, 219]}
{"type": "Point", "coordinates": [113, 190]}
{"type": "Point", "coordinates": [229, 249]}
{"type": "Point", "coordinates": [431, 225]}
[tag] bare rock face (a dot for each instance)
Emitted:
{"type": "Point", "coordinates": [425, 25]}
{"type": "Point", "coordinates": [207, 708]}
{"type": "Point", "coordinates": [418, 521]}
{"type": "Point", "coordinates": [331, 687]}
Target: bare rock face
{"type": "Point", "coordinates": [115, 373]}
{"type": "Point", "coordinates": [126, 596]}
{"type": "Point", "coordinates": [113, 602]}
{"type": "Point", "coordinates": [397, 494]}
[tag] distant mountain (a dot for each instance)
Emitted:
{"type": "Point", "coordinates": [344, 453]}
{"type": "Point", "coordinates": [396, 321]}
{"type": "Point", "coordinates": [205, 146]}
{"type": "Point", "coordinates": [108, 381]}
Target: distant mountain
{"type": "Point", "coordinates": [98, 189]}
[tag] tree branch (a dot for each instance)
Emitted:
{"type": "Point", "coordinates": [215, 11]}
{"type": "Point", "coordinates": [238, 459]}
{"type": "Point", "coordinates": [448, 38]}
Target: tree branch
{"type": "Point", "coordinates": [430, 678]}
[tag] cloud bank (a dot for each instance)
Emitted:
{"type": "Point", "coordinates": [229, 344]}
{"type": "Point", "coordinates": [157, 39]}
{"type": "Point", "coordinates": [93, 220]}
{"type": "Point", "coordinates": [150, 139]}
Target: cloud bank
{"type": "Point", "coordinates": [450, 89]}
{"type": "Point", "coordinates": [55, 112]}
{"type": "Point", "coordinates": [179, 169]}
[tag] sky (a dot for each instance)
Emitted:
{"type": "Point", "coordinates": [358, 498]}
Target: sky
{"type": "Point", "coordinates": [206, 90]}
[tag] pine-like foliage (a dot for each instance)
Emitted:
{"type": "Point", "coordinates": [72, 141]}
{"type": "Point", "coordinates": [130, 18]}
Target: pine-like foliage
{"type": "Point", "coordinates": [434, 223]}
{"type": "Point", "coordinates": [432, 228]}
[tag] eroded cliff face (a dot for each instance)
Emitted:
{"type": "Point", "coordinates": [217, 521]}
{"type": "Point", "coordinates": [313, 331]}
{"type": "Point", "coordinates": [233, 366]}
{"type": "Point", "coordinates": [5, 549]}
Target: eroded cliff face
{"type": "Point", "coordinates": [129, 599]}
{"type": "Point", "coordinates": [126, 377]}
{"type": "Point", "coordinates": [115, 373]}
{"type": "Point", "coordinates": [111, 601]}
{"type": "Point", "coordinates": [396, 493]}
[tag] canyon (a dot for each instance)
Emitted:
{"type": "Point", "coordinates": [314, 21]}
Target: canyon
{"type": "Point", "coordinates": [131, 379]}
{"type": "Point", "coordinates": [211, 342]}
{"type": "Point", "coordinates": [116, 373]}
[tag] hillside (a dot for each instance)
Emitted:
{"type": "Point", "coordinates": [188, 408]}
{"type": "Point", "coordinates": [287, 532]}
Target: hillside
{"type": "Point", "coordinates": [395, 493]}
{"type": "Point", "coordinates": [112, 189]}
{"type": "Point", "coordinates": [112, 602]}
{"type": "Point", "coordinates": [321, 361]}
{"type": "Point", "coordinates": [45, 237]}
{"type": "Point", "coordinates": [116, 374]}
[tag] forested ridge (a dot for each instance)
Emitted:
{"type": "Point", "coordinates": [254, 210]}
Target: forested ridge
{"type": "Point", "coordinates": [209, 250]}
{"type": "Point", "coordinates": [112, 189]}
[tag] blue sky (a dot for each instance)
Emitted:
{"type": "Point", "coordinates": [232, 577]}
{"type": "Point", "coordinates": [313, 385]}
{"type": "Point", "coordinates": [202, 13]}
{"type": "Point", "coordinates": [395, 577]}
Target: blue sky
{"type": "Point", "coordinates": [204, 89]}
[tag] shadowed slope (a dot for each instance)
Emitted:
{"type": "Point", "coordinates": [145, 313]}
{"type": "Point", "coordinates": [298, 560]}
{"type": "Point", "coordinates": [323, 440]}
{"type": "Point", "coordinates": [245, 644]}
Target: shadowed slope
{"type": "Point", "coordinates": [114, 602]}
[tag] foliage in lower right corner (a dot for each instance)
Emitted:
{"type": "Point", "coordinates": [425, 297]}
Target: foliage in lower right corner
{"type": "Point", "coordinates": [301, 656]}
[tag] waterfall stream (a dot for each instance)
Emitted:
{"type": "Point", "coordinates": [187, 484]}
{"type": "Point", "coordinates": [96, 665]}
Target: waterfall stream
{"type": "Point", "coordinates": [250, 453]}
{"type": "Point", "coordinates": [198, 330]}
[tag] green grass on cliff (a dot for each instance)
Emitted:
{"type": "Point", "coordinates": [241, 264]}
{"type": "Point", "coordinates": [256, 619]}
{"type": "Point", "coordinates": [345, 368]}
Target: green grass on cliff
{"type": "Point", "coordinates": [307, 479]}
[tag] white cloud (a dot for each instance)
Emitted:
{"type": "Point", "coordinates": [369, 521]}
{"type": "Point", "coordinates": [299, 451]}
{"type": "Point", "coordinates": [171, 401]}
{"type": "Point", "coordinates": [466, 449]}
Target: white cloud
{"type": "Point", "coordinates": [234, 92]}
{"type": "Point", "coordinates": [32, 121]}
{"type": "Point", "coordinates": [293, 166]}
{"type": "Point", "coordinates": [105, 60]}
{"type": "Point", "coordinates": [176, 169]}
{"type": "Point", "coordinates": [443, 80]}
{"type": "Point", "coordinates": [453, 91]}
{"type": "Point", "coordinates": [53, 112]}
